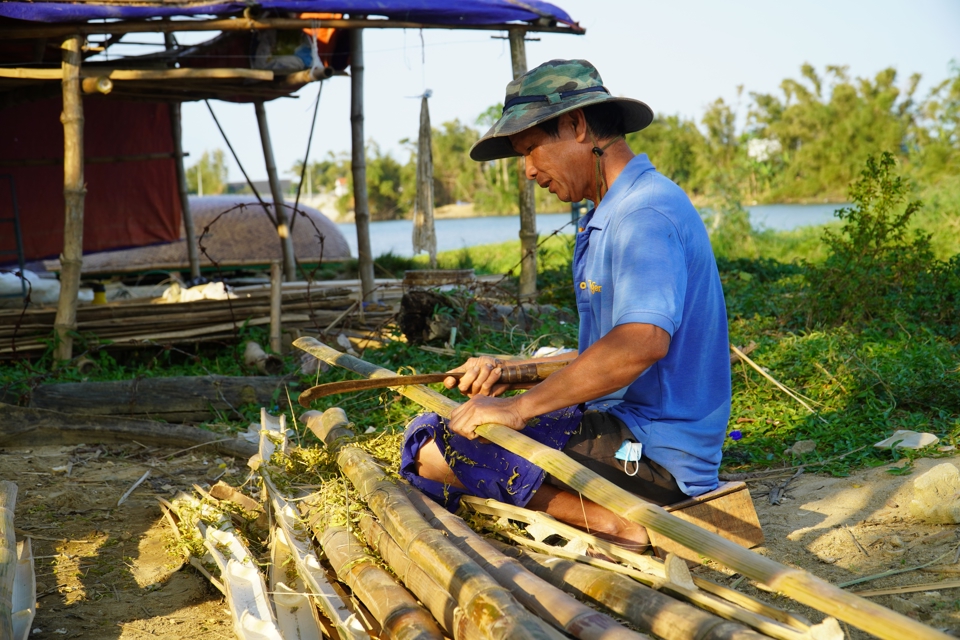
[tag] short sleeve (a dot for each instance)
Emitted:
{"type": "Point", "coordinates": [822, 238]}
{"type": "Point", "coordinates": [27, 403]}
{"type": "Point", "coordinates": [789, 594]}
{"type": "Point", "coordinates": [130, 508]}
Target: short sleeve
{"type": "Point", "coordinates": [648, 270]}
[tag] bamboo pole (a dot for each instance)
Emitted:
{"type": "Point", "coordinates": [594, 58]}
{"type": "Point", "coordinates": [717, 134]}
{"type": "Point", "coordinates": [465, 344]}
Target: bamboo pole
{"type": "Point", "coordinates": [544, 599]}
{"type": "Point", "coordinates": [640, 605]}
{"type": "Point", "coordinates": [8, 557]}
{"type": "Point", "coordinates": [434, 597]}
{"type": "Point", "coordinates": [490, 606]}
{"type": "Point", "coordinates": [279, 205]}
{"type": "Point", "coordinates": [358, 163]}
{"type": "Point", "coordinates": [254, 357]}
{"type": "Point", "coordinates": [795, 583]}
{"type": "Point", "coordinates": [250, 24]}
{"type": "Point", "coordinates": [527, 202]}
{"type": "Point", "coordinates": [74, 190]}
{"type": "Point", "coordinates": [276, 295]}
{"type": "Point", "coordinates": [397, 612]}
{"type": "Point", "coordinates": [190, 232]}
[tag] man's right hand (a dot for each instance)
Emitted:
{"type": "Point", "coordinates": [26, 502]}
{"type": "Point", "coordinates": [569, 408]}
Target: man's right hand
{"type": "Point", "coordinates": [480, 377]}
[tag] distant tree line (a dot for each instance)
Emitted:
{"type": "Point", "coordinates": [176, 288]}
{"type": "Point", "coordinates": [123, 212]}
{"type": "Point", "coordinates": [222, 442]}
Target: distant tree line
{"type": "Point", "coordinates": [803, 144]}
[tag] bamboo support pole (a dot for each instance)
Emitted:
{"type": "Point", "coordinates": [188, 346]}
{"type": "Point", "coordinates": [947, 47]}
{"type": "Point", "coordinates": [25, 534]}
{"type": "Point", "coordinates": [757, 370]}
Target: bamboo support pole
{"type": "Point", "coordinates": [397, 612]}
{"type": "Point", "coordinates": [8, 557]}
{"type": "Point", "coordinates": [74, 190]}
{"type": "Point", "coordinates": [544, 599]}
{"type": "Point", "coordinates": [527, 202]}
{"type": "Point", "coordinates": [358, 163]}
{"type": "Point", "coordinates": [643, 607]}
{"type": "Point", "coordinates": [490, 606]}
{"type": "Point", "coordinates": [279, 204]}
{"type": "Point", "coordinates": [795, 583]}
{"type": "Point", "coordinates": [176, 131]}
{"type": "Point", "coordinates": [276, 297]}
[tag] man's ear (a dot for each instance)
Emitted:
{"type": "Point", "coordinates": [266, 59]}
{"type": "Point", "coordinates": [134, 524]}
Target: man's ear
{"type": "Point", "coordinates": [579, 123]}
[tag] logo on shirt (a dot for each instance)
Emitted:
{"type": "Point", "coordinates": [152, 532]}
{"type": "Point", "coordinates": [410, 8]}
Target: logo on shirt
{"type": "Point", "coordinates": [593, 286]}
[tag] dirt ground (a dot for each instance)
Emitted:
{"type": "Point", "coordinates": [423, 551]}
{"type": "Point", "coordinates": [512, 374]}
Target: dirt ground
{"type": "Point", "coordinates": [106, 572]}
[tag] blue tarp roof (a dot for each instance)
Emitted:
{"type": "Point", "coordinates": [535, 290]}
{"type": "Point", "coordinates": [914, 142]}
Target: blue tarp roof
{"type": "Point", "coordinates": [464, 12]}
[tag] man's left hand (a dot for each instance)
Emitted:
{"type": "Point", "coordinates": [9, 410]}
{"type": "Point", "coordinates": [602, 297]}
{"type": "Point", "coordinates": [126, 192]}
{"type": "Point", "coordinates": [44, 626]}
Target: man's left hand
{"type": "Point", "coordinates": [483, 410]}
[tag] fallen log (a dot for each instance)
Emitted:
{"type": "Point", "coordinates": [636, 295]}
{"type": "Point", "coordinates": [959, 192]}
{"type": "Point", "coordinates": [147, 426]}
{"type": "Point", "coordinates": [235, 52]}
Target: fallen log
{"type": "Point", "coordinates": [178, 399]}
{"type": "Point", "coordinates": [796, 583]}
{"type": "Point", "coordinates": [22, 426]}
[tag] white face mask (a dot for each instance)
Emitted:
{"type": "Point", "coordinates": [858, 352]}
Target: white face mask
{"type": "Point", "coordinates": [630, 451]}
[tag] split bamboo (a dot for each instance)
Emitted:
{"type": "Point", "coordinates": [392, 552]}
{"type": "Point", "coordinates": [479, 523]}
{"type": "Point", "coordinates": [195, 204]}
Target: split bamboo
{"type": "Point", "coordinates": [74, 191]}
{"type": "Point", "coordinates": [795, 583]}
{"type": "Point", "coordinates": [397, 612]}
{"type": "Point", "coordinates": [24, 591]}
{"type": "Point", "coordinates": [490, 606]}
{"type": "Point", "coordinates": [8, 557]}
{"type": "Point", "coordinates": [544, 599]}
{"type": "Point", "coordinates": [296, 615]}
{"type": "Point", "coordinates": [647, 609]}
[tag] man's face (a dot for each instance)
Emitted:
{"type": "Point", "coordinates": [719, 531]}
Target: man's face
{"type": "Point", "coordinates": [561, 165]}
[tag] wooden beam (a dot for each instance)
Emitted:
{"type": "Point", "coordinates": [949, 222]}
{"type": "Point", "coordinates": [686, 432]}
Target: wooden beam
{"type": "Point", "coordinates": [248, 24]}
{"type": "Point", "coordinates": [361, 205]}
{"type": "Point", "coordinates": [528, 212]}
{"type": "Point", "coordinates": [279, 204]}
{"type": "Point", "coordinates": [23, 73]}
{"type": "Point", "coordinates": [73, 195]}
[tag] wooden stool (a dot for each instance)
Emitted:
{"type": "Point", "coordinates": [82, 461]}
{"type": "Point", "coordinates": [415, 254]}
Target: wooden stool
{"type": "Point", "coordinates": [727, 511]}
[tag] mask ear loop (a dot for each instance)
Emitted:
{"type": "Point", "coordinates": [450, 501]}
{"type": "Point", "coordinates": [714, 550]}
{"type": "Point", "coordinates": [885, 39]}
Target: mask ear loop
{"type": "Point", "coordinates": [636, 468]}
{"type": "Point", "coordinates": [597, 173]}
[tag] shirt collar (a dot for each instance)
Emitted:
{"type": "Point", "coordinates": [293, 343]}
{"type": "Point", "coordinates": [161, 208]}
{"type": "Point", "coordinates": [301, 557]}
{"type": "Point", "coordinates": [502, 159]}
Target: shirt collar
{"type": "Point", "coordinates": [639, 165]}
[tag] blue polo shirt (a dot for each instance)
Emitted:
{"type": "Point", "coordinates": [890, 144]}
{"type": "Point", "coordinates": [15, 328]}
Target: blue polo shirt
{"type": "Point", "coordinates": [643, 256]}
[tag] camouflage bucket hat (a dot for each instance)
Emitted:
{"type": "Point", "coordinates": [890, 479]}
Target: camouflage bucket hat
{"type": "Point", "coordinates": [545, 92]}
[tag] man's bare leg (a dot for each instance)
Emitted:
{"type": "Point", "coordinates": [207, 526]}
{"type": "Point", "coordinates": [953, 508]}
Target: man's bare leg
{"type": "Point", "coordinates": [562, 505]}
{"type": "Point", "coordinates": [593, 518]}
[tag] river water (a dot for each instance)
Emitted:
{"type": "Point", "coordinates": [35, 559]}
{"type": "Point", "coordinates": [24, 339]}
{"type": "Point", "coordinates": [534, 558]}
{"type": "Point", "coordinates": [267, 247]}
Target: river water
{"type": "Point", "coordinates": [394, 236]}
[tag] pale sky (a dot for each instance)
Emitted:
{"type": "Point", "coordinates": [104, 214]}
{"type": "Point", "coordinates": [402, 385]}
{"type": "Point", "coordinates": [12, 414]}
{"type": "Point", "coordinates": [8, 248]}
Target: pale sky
{"type": "Point", "coordinates": [677, 56]}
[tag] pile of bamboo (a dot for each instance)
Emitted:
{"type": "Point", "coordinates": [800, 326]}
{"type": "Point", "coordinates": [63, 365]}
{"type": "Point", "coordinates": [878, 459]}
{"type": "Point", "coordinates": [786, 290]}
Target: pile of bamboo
{"type": "Point", "coordinates": [327, 576]}
{"type": "Point", "coordinates": [315, 306]}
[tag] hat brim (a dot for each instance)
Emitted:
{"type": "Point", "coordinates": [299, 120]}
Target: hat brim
{"type": "Point", "coordinates": [495, 143]}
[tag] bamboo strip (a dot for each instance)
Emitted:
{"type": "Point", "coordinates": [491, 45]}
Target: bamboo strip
{"type": "Point", "coordinates": [490, 606]}
{"type": "Point", "coordinates": [8, 557]}
{"type": "Point", "coordinates": [651, 570]}
{"type": "Point", "coordinates": [296, 615]}
{"type": "Point", "coordinates": [24, 592]}
{"type": "Point", "coordinates": [393, 607]}
{"type": "Point", "coordinates": [547, 601]}
{"type": "Point", "coordinates": [642, 606]}
{"type": "Point", "coordinates": [796, 583]}
{"type": "Point", "coordinates": [764, 624]}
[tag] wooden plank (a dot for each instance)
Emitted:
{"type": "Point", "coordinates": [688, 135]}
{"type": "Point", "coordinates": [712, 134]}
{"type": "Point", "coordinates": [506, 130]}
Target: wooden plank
{"type": "Point", "coordinates": [727, 511]}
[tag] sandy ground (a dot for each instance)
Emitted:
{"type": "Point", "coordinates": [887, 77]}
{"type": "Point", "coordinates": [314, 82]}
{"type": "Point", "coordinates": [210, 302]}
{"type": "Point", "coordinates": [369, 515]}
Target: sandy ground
{"type": "Point", "coordinates": [106, 572]}
{"type": "Point", "coordinates": [842, 529]}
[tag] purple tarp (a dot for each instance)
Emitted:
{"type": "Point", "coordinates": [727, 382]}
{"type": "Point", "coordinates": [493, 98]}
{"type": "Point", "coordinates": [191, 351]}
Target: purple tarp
{"type": "Point", "coordinates": [466, 12]}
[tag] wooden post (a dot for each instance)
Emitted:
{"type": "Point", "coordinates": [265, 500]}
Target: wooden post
{"type": "Point", "coordinates": [71, 260]}
{"type": "Point", "coordinates": [528, 213]}
{"type": "Point", "coordinates": [176, 131]}
{"type": "Point", "coordinates": [276, 294]}
{"type": "Point", "coordinates": [283, 226]}
{"type": "Point", "coordinates": [8, 557]}
{"type": "Point", "coordinates": [191, 233]}
{"type": "Point", "coordinates": [361, 206]}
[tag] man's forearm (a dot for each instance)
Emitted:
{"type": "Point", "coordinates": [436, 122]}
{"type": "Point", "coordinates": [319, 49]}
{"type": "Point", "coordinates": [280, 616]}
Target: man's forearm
{"type": "Point", "coordinates": [610, 364]}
